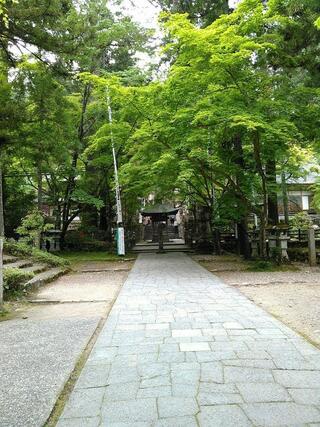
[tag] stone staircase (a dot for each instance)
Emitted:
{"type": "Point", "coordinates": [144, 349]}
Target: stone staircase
{"type": "Point", "coordinates": [176, 245]}
{"type": "Point", "coordinates": [42, 272]}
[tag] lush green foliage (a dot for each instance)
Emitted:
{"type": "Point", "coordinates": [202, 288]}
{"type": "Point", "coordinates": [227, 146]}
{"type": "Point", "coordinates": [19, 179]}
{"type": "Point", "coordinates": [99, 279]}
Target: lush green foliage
{"type": "Point", "coordinates": [22, 250]}
{"type": "Point", "coordinates": [32, 225]}
{"type": "Point", "coordinates": [300, 221]}
{"type": "Point", "coordinates": [201, 12]}
{"type": "Point", "coordinates": [14, 279]}
{"type": "Point", "coordinates": [238, 107]}
{"type": "Point", "coordinates": [82, 256]}
{"type": "Point", "coordinates": [79, 241]}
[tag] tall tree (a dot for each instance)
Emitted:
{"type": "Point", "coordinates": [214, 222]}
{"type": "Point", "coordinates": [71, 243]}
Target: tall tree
{"type": "Point", "coordinates": [201, 12]}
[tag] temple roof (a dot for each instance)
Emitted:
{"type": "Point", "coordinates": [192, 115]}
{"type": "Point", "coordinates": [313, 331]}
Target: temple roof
{"type": "Point", "coordinates": [160, 209]}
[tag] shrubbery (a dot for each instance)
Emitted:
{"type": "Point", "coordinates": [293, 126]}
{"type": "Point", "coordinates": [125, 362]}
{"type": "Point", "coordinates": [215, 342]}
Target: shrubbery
{"type": "Point", "coordinates": [32, 226]}
{"type": "Point", "coordinates": [298, 254]}
{"type": "Point", "coordinates": [261, 265]}
{"type": "Point", "coordinates": [48, 258]}
{"type": "Point", "coordinates": [80, 241]}
{"type": "Point", "coordinates": [14, 279]}
{"type": "Point", "coordinates": [22, 250]}
{"type": "Point", "coordinates": [300, 221]}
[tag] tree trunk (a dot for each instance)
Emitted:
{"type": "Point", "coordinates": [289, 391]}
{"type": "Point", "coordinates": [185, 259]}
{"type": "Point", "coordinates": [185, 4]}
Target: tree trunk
{"type": "Point", "coordinates": [71, 185]}
{"type": "Point", "coordinates": [58, 217]}
{"type": "Point", "coordinates": [1, 203]}
{"type": "Point", "coordinates": [106, 214]}
{"type": "Point", "coordinates": [285, 197]}
{"type": "Point", "coordinates": [244, 244]}
{"type": "Point", "coordinates": [243, 237]}
{"type": "Point", "coordinates": [40, 187]}
{"type": "Point", "coordinates": [1, 238]}
{"type": "Point", "coordinates": [39, 202]}
{"type": "Point", "coordinates": [273, 213]}
{"type": "Point", "coordinates": [264, 208]}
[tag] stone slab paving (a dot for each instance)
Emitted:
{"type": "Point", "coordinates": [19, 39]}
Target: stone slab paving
{"type": "Point", "coordinates": [181, 348]}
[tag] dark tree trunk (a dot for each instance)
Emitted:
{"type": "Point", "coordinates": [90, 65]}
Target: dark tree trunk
{"type": "Point", "coordinates": [65, 228]}
{"type": "Point", "coordinates": [109, 211]}
{"type": "Point", "coordinates": [243, 238]}
{"type": "Point", "coordinates": [1, 203]}
{"type": "Point", "coordinates": [285, 197]}
{"type": "Point", "coordinates": [40, 187]}
{"type": "Point", "coordinates": [271, 173]}
{"type": "Point", "coordinates": [71, 184]}
{"type": "Point", "coordinates": [1, 237]}
{"type": "Point", "coordinates": [244, 243]}
{"type": "Point", "coordinates": [103, 223]}
{"type": "Point", "coordinates": [264, 209]}
{"type": "Point", "coordinates": [89, 217]}
{"type": "Point", "coordinates": [58, 217]}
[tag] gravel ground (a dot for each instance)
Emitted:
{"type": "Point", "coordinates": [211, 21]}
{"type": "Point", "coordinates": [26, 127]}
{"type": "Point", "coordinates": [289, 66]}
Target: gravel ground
{"type": "Point", "coordinates": [102, 265]}
{"type": "Point", "coordinates": [297, 305]}
{"type": "Point", "coordinates": [291, 296]}
{"type": "Point", "coordinates": [85, 287]}
{"type": "Point", "coordinates": [41, 345]}
{"type": "Point", "coordinates": [242, 278]}
{"type": "Point", "coordinates": [36, 359]}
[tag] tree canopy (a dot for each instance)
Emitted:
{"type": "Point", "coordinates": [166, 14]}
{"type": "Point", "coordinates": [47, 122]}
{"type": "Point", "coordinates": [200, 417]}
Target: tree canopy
{"type": "Point", "coordinates": [237, 109]}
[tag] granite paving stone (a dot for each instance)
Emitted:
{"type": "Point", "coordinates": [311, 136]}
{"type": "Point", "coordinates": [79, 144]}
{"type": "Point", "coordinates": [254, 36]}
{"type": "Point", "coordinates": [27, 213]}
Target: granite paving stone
{"type": "Point", "coordinates": [299, 379]}
{"type": "Point", "coordinates": [160, 391]}
{"type": "Point", "coordinates": [185, 390]}
{"type": "Point", "coordinates": [247, 375]}
{"type": "Point", "coordinates": [123, 391]}
{"type": "Point", "coordinates": [84, 403]}
{"type": "Point", "coordinates": [223, 416]}
{"type": "Point", "coordinates": [196, 346]}
{"type": "Point", "coordinates": [281, 413]}
{"type": "Point", "coordinates": [93, 376]}
{"type": "Point", "coordinates": [129, 411]}
{"type": "Point", "coordinates": [177, 422]}
{"type": "Point", "coordinates": [219, 398]}
{"type": "Point", "coordinates": [79, 422]}
{"type": "Point", "coordinates": [106, 423]}
{"type": "Point", "coordinates": [252, 392]}
{"type": "Point", "coordinates": [177, 406]}
{"type": "Point", "coordinates": [305, 396]}
{"type": "Point", "coordinates": [181, 348]}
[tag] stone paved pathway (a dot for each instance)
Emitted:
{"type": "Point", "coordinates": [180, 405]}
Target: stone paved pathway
{"type": "Point", "coordinates": [180, 348]}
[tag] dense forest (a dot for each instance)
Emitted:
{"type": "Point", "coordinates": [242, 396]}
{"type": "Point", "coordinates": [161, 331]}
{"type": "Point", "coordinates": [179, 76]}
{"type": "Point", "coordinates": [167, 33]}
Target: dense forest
{"type": "Point", "coordinates": [237, 107]}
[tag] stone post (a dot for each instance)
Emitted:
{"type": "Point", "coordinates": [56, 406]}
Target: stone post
{"type": "Point", "coordinates": [155, 229]}
{"type": "Point", "coordinates": [161, 226]}
{"type": "Point", "coordinates": [273, 243]}
{"type": "Point", "coordinates": [254, 246]}
{"type": "Point", "coordinates": [283, 239]}
{"type": "Point", "coordinates": [312, 247]}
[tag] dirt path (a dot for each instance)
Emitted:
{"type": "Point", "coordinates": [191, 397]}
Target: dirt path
{"type": "Point", "coordinates": [42, 344]}
{"type": "Point", "coordinates": [291, 296]}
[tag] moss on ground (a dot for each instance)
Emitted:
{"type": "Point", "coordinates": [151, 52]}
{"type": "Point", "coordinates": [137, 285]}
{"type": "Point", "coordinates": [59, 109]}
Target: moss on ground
{"type": "Point", "coordinates": [75, 257]}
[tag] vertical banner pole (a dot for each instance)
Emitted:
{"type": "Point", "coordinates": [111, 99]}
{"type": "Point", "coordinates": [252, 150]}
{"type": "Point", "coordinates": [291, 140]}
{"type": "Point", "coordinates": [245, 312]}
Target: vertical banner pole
{"type": "Point", "coordinates": [120, 228]}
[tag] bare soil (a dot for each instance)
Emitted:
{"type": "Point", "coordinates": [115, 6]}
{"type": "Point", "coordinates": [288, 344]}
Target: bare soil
{"type": "Point", "coordinates": [88, 290]}
{"type": "Point", "coordinates": [291, 296]}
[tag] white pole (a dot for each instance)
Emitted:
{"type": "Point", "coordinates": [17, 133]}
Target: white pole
{"type": "Point", "coordinates": [120, 228]}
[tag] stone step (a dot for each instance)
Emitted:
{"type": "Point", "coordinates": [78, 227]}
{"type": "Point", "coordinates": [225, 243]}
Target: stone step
{"type": "Point", "coordinates": [21, 263]}
{"type": "Point", "coordinates": [7, 259]}
{"type": "Point", "coordinates": [45, 277]}
{"type": "Point", "coordinates": [153, 249]}
{"type": "Point", "coordinates": [35, 268]}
